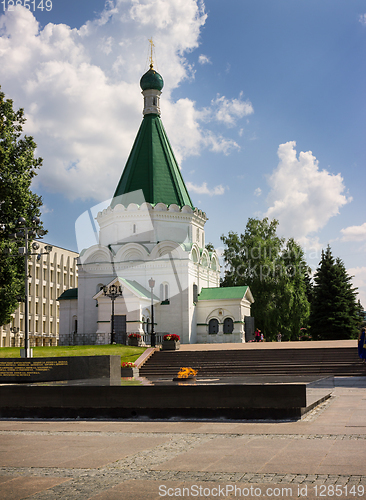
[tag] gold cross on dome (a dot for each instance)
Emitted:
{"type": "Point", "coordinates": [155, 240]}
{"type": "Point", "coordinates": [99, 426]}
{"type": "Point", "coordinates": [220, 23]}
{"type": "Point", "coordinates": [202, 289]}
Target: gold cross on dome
{"type": "Point", "coordinates": [151, 53]}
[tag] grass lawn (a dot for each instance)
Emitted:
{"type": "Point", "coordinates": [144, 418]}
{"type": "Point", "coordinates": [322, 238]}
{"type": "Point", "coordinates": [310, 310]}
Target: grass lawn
{"type": "Point", "coordinates": [127, 353]}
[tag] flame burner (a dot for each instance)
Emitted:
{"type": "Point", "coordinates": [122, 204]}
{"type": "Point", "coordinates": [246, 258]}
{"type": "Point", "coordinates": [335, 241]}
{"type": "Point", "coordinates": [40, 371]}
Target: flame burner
{"type": "Point", "coordinates": [185, 373]}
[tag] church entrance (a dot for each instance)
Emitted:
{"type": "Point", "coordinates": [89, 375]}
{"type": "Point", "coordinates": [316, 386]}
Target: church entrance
{"type": "Point", "coordinates": [120, 329]}
{"type": "Point", "coordinates": [249, 328]}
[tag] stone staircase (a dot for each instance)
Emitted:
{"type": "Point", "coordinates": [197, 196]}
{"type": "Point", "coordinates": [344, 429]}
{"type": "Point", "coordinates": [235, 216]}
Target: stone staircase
{"type": "Point", "coordinates": [339, 361]}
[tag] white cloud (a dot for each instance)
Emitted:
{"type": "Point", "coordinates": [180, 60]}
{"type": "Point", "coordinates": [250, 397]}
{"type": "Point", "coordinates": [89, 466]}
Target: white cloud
{"type": "Point", "coordinates": [257, 192]}
{"type": "Point", "coordinates": [354, 233]}
{"type": "Point", "coordinates": [203, 189]}
{"type": "Point", "coordinates": [302, 197]}
{"type": "Point", "coordinates": [202, 59]}
{"type": "Point", "coordinates": [359, 281]}
{"type": "Point", "coordinates": [362, 19]}
{"type": "Point", "coordinates": [228, 111]}
{"type": "Point", "coordinates": [80, 88]}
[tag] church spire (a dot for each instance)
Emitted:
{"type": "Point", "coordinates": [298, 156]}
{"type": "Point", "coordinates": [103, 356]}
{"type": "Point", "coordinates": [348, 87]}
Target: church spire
{"type": "Point", "coordinates": [152, 166]}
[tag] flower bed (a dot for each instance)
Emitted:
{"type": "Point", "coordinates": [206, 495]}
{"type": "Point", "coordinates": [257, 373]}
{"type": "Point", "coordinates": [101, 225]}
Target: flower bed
{"type": "Point", "coordinates": [134, 339]}
{"type": "Point", "coordinates": [171, 342]}
{"type": "Point", "coordinates": [128, 369]}
{"type": "Point", "coordinates": [171, 336]}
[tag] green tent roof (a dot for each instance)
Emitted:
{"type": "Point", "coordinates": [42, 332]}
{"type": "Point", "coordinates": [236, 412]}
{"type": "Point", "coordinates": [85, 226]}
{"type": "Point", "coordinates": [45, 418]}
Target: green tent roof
{"type": "Point", "coordinates": [152, 167]}
{"type": "Point", "coordinates": [71, 293]}
{"type": "Point", "coordinates": [230, 292]}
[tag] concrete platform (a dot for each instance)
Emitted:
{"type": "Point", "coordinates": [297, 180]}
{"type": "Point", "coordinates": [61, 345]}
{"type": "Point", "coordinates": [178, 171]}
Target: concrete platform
{"type": "Point", "coordinates": [107, 460]}
{"type": "Point", "coordinates": [270, 345]}
{"type": "Point", "coordinates": [227, 397]}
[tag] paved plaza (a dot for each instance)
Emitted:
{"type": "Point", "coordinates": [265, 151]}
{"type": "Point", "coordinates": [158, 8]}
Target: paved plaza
{"type": "Point", "coordinates": [323, 455]}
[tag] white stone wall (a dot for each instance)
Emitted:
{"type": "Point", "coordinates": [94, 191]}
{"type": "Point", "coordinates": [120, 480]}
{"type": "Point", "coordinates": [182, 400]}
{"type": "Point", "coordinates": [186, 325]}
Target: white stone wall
{"type": "Point", "coordinates": [138, 243]}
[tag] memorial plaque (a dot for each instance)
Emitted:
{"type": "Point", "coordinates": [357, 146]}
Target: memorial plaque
{"type": "Point", "coordinates": [53, 369]}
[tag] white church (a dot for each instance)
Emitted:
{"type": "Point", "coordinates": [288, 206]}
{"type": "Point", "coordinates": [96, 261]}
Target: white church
{"type": "Point", "coordinates": [151, 234]}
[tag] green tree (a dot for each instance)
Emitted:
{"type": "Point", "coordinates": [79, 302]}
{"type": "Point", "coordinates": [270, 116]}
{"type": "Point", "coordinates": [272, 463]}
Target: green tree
{"type": "Point", "coordinates": [275, 271]}
{"type": "Point", "coordinates": [334, 312]}
{"type": "Point", "coordinates": [18, 166]}
{"type": "Point", "coordinates": [293, 289]}
{"type": "Point", "coordinates": [361, 315]}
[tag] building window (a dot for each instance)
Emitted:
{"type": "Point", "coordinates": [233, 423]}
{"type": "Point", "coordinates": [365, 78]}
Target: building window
{"type": "Point", "coordinates": [228, 325]}
{"type": "Point", "coordinates": [213, 326]}
{"type": "Point", "coordinates": [195, 293]}
{"type": "Point", "coordinates": [164, 293]}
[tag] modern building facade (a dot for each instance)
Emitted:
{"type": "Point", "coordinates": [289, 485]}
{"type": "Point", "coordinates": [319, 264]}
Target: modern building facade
{"type": "Point", "coordinates": [49, 277]}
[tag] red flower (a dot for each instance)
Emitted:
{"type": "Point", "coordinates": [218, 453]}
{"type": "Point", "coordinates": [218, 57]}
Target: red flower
{"type": "Point", "coordinates": [171, 336]}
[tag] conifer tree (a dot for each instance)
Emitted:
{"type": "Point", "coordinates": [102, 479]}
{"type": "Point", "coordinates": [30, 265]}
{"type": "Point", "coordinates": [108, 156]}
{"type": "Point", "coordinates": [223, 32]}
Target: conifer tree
{"type": "Point", "coordinates": [334, 312]}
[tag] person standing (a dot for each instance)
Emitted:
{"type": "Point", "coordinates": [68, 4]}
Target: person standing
{"type": "Point", "coordinates": [362, 344]}
{"type": "Point", "coordinates": [257, 335]}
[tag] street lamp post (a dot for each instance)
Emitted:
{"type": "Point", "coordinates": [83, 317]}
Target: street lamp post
{"type": "Point", "coordinates": [27, 234]}
{"type": "Point", "coordinates": [113, 292]}
{"type": "Point", "coordinates": [151, 285]}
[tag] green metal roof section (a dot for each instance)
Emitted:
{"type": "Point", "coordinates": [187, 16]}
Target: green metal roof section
{"type": "Point", "coordinates": [137, 288]}
{"type": "Point", "coordinates": [153, 168]}
{"type": "Point", "coordinates": [229, 292]}
{"type": "Point", "coordinates": [70, 294]}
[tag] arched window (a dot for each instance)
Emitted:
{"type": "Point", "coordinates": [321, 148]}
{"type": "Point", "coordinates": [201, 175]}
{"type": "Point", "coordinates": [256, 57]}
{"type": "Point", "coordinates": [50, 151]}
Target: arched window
{"type": "Point", "coordinates": [74, 324]}
{"type": "Point", "coordinates": [213, 326]}
{"type": "Point", "coordinates": [164, 293]}
{"type": "Point", "coordinates": [195, 293]}
{"type": "Point", "coordinates": [228, 325]}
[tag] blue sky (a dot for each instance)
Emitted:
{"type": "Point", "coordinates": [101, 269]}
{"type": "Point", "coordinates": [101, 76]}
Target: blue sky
{"type": "Point", "coordinates": [264, 104]}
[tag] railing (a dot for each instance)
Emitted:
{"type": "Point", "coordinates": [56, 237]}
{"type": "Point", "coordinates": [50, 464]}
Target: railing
{"type": "Point", "coordinates": [146, 338]}
{"type": "Point", "coordinates": [119, 337]}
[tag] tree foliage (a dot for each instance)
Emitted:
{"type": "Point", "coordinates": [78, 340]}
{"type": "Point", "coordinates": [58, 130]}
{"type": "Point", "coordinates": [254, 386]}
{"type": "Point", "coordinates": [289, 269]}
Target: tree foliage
{"type": "Point", "coordinates": [18, 166]}
{"type": "Point", "coordinates": [277, 274]}
{"type": "Point", "coordinates": [335, 311]}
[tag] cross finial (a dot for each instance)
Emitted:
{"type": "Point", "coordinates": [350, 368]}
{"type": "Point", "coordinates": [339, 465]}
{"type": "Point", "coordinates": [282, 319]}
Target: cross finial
{"type": "Point", "coordinates": [151, 53]}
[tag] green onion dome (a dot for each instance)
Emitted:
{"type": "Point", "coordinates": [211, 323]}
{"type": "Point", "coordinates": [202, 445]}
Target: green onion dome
{"type": "Point", "coordinates": [151, 80]}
